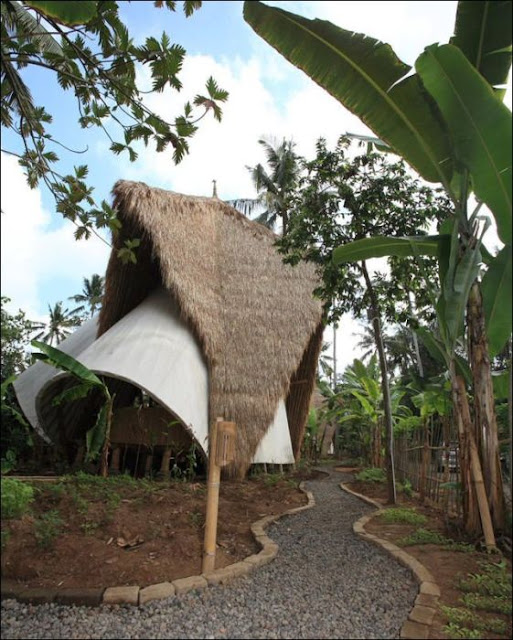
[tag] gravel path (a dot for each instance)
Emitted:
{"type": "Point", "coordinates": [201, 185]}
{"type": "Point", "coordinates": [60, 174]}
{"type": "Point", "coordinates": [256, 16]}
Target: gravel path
{"type": "Point", "coordinates": [325, 583]}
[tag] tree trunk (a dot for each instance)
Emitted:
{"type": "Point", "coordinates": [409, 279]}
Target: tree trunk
{"type": "Point", "coordinates": [424, 463]}
{"type": "Point", "coordinates": [486, 434]}
{"type": "Point", "coordinates": [378, 336]}
{"type": "Point", "coordinates": [476, 512]}
{"type": "Point", "coordinates": [104, 466]}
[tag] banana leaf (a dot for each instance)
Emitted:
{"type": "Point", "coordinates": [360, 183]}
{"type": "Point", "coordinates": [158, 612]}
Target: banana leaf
{"type": "Point", "coordinates": [368, 78]}
{"type": "Point", "coordinates": [60, 360]}
{"type": "Point", "coordinates": [95, 437]}
{"type": "Point", "coordinates": [367, 248]}
{"type": "Point", "coordinates": [483, 33]}
{"type": "Point", "coordinates": [497, 301]}
{"type": "Point", "coordinates": [479, 125]}
{"type": "Point", "coordinates": [68, 13]}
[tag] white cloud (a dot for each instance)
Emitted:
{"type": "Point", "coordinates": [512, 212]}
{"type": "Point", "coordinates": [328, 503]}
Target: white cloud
{"type": "Point", "coordinates": [41, 263]}
{"type": "Point", "coordinates": [221, 151]}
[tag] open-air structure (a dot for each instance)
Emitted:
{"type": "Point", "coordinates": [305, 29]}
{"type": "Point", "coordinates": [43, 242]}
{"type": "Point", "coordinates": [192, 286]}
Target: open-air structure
{"type": "Point", "coordinates": [209, 322]}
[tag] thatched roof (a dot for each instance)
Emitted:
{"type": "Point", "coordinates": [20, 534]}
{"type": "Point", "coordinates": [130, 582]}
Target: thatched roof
{"type": "Point", "coordinates": [255, 317]}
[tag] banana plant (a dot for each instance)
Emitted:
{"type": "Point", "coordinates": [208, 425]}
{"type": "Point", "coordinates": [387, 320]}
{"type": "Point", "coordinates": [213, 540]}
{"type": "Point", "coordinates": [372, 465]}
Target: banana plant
{"type": "Point", "coordinates": [98, 437]}
{"type": "Point", "coordinates": [448, 122]}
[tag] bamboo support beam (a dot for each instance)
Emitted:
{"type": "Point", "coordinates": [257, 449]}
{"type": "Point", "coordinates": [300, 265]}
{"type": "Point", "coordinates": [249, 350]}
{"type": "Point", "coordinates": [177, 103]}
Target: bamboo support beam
{"type": "Point", "coordinates": [214, 476]}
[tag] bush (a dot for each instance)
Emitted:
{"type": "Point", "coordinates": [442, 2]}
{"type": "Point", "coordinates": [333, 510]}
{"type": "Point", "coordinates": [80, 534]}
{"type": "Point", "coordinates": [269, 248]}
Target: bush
{"type": "Point", "coordinates": [373, 474]}
{"type": "Point", "coordinates": [16, 497]}
{"type": "Point", "coordinates": [47, 527]}
{"type": "Point", "coordinates": [402, 514]}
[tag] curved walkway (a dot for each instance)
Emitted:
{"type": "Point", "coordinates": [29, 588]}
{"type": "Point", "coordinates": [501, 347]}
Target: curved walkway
{"type": "Point", "coordinates": [324, 583]}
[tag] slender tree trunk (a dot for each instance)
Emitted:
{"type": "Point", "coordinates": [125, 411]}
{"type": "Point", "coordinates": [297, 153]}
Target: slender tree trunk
{"type": "Point", "coordinates": [476, 511]}
{"type": "Point", "coordinates": [334, 357]}
{"type": "Point", "coordinates": [415, 341]}
{"type": "Point", "coordinates": [104, 466]}
{"type": "Point", "coordinates": [378, 335]}
{"type": "Point", "coordinates": [486, 434]}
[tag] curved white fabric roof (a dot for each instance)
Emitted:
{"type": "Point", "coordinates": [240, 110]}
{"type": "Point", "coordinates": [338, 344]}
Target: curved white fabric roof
{"type": "Point", "coordinates": [152, 348]}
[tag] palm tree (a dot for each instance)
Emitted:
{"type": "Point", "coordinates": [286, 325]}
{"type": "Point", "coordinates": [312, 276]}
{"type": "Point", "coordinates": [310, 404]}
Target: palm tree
{"type": "Point", "coordinates": [92, 292]}
{"type": "Point", "coordinates": [60, 324]}
{"type": "Point", "coordinates": [274, 186]}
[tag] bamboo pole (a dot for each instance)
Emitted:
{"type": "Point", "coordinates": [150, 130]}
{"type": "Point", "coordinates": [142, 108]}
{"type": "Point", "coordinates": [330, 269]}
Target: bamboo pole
{"type": "Point", "coordinates": [475, 467]}
{"type": "Point", "coordinates": [214, 476]}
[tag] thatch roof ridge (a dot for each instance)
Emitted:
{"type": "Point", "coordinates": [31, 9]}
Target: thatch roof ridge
{"type": "Point", "coordinates": [254, 315]}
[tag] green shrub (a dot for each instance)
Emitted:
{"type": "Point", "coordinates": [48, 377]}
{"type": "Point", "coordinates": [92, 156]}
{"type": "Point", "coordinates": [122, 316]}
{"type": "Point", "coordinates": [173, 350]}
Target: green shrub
{"type": "Point", "coordinates": [464, 617]}
{"type": "Point", "coordinates": [47, 527]}
{"type": "Point", "coordinates": [426, 536]}
{"type": "Point", "coordinates": [404, 515]}
{"type": "Point", "coordinates": [494, 604]}
{"type": "Point", "coordinates": [494, 580]}
{"type": "Point", "coordinates": [455, 631]}
{"type": "Point", "coordinates": [372, 474]}
{"type": "Point", "coordinates": [16, 498]}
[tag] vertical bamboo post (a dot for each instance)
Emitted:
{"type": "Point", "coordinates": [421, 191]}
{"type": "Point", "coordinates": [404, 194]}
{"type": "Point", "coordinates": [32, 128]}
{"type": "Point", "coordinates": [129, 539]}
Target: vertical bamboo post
{"type": "Point", "coordinates": [424, 463]}
{"type": "Point", "coordinates": [214, 475]}
{"type": "Point", "coordinates": [114, 461]}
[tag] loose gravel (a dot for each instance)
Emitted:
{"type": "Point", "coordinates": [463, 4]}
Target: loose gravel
{"type": "Point", "coordinates": [325, 583]}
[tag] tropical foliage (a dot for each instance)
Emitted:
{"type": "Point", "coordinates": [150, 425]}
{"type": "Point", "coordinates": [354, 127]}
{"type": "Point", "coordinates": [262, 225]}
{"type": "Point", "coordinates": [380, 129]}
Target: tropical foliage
{"type": "Point", "coordinates": [97, 438]}
{"type": "Point", "coordinates": [90, 52]}
{"type": "Point", "coordinates": [448, 121]}
{"type": "Point", "coordinates": [61, 322]}
{"type": "Point", "coordinates": [92, 293]}
{"type": "Point", "coordinates": [275, 186]}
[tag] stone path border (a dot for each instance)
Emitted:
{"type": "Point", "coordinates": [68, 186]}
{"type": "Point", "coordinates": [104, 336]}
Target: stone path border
{"type": "Point", "coordinates": [421, 617]}
{"type": "Point", "coordinates": [137, 596]}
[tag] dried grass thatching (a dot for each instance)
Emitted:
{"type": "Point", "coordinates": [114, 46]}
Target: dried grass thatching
{"type": "Point", "coordinates": [256, 319]}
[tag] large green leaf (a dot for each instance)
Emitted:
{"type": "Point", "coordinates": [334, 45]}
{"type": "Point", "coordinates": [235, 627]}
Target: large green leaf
{"type": "Point", "coordinates": [455, 291]}
{"type": "Point", "coordinates": [75, 393]}
{"type": "Point", "coordinates": [60, 360]}
{"type": "Point", "coordinates": [367, 248]}
{"type": "Point", "coordinates": [483, 32]}
{"type": "Point", "coordinates": [434, 345]}
{"type": "Point", "coordinates": [501, 385]}
{"type": "Point", "coordinates": [95, 437]}
{"type": "Point", "coordinates": [367, 77]}
{"type": "Point", "coordinates": [66, 12]}
{"type": "Point", "coordinates": [366, 405]}
{"type": "Point", "coordinates": [497, 301]}
{"type": "Point", "coordinates": [438, 352]}
{"type": "Point", "coordinates": [479, 124]}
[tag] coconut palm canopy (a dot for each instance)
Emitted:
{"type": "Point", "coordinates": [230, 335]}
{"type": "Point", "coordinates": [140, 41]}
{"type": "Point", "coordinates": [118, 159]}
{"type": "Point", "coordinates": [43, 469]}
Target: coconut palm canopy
{"type": "Point", "coordinates": [255, 319]}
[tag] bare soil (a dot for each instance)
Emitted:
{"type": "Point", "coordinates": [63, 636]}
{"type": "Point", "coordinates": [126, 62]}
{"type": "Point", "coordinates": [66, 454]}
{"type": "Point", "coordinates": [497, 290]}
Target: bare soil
{"type": "Point", "coordinates": [142, 535]}
{"type": "Point", "coordinates": [146, 535]}
{"type": "Point", "coordinates": [447, 566]}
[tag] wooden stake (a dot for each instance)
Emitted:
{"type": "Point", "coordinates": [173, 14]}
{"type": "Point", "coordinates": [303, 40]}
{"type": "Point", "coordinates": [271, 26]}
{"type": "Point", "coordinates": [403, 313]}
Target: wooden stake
{"type": "Point", "coordinates": [214, 476]}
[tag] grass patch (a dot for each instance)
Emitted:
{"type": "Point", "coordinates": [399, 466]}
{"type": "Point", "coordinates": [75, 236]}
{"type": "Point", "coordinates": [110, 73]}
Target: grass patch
{"type": "Point", "coordinates": [468, 619]}
{"type": "Point", "coordinates": [493, 580]}
{"type": "Point", "coordinates": [493, 604]}
{"type": "Point", "coordinates": [16, 498]}
{"type": "Point", "coordinates": [426, 536]}
{"type": "Point", "coordinates": [372, 474]}
{"type": "Point", "coordinates": [47, 528]}
{"type": "Point", "coordinates": [402, 515]}
{"type": "Point", "coordinates": [455, 631]}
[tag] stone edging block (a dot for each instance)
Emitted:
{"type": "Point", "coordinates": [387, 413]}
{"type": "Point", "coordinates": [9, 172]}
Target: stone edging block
{"type": "Point", "coordinates": [134, 595]}
{"type": "Point", "coordinates": [421, 617]}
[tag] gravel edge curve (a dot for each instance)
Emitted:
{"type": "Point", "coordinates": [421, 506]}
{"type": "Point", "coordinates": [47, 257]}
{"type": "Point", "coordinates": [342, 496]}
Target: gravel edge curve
{"type": "Point", "coordinates": [136, 596]}
{"type": "Point", "coordinates": [420, 618]}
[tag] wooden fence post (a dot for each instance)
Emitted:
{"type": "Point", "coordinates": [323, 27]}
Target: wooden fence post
{"type": "Point", "coordinates": [214, 476]}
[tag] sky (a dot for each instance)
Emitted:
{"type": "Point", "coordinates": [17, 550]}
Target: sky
{"type": "Point", "coordinates": [42, 264]}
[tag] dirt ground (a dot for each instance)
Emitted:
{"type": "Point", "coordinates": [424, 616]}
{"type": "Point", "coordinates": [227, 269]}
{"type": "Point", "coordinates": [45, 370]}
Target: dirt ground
{"type": "Point", "coordinates": [446, 566]}
{"type": "Point", "coordinates": [148, 533]}
{"type": "Point", "coordinates": [142, 537]}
